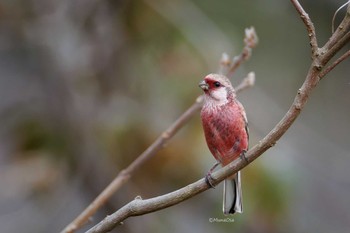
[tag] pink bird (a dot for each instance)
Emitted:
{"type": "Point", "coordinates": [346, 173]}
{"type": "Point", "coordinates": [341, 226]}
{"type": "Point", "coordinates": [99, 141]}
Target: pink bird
{"type": "Point", "coordinates": [226, 132]}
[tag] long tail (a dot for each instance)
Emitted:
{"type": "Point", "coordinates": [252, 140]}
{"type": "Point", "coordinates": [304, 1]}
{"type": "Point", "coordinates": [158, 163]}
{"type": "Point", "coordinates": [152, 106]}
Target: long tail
{"type": "Point", "coordinates": [233, 195]}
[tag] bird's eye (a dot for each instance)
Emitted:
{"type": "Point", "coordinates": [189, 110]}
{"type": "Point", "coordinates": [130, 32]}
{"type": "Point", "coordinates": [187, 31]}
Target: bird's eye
{"type": "Point", "coordinates": [217, 84]}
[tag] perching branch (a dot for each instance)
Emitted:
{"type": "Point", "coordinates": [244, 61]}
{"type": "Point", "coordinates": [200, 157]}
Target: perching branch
{"type": "Point", "coordinates": [140, 207]}
{"type": "Point", "coordinates": [124, 176]}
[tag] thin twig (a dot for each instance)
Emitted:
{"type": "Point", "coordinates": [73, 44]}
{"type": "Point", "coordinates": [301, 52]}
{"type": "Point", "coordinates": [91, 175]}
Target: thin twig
{"type": "Point", "coordinates": [341, 30]}
{"type": "Point", "coordinates": [250, 42]}
{"type": "Point", "coordinates": [334, 64]}
{"type": "Point", "coordinates": [225, 64]}
{"type": "Point", "coordinates": [328, 53]}
{"type": "Point", "coordinates": [336, 12]}
{"type": "Point", "coordinates": [309, 27]}
{"type": "Point", "coordinates": [339, 38]}
{"type": "Point", "coordinates": [157, 145]}
{"type": "Point", "coordinates": [247, 82]}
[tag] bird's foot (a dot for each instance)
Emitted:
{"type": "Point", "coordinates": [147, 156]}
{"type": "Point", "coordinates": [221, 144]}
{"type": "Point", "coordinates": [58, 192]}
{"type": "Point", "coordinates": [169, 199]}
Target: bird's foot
{"type": "Point", "coordinates": [242, 155]}
{"type": "Point", "coordinates": [209, 180]}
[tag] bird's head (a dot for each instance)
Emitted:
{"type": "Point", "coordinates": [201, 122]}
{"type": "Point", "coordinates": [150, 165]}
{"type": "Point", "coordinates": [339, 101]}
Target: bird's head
{"type": "Point", "coordinates": [217, 88]}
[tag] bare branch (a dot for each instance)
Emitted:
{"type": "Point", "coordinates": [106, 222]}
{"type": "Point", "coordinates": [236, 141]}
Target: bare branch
{"type": "Point", "coordinates": [336, 12]}
{"type": "Point", "coordinates": [225, 63]}
{"type": "Point", "coordinates": [337, 41]}
{"type": "Point", "coordinates": [331, 67]}
{"type": "Point", "coordinates": [342, 29]}
{"type": "Point", "coordinates": [309, 27]}
{"type": "Point", "coordinates": [139, 207]}
{"type": "Point", "coordinates": [247, 82]}
{"type": "Point", "coordinates": [328, 53]}
{"type": "Point", "coordinates": [250, 41]}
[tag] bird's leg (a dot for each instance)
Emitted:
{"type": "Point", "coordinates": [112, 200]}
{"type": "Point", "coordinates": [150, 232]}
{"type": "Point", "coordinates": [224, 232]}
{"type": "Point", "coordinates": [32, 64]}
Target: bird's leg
{"type": "Point", "coordinates": [208, 178]}
{"type": "Point", "coordinates": [242, 155]}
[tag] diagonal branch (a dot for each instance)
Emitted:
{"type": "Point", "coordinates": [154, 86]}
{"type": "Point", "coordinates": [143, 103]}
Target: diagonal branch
{"type": "Point", "coordinates": [341, 30]}
{"type": "Point", "coordinates": [309, 27]}
{"type": "Point", "coordinates": [336, 12]}
{"type": "Point", "coordinates": [250, 42]}
{"type": "Point", "coordinates": [334, 64]}
{"type": "Point", "coordinates": [338, 39]}
{"type": "Point", "coordinates": [330, 52]}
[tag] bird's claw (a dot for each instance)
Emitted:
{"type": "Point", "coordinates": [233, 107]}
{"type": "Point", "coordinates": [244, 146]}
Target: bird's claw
{"type": "Point", "coordinates": [209, 180]}
{"type": "Point", "coordinates": [242, 155]}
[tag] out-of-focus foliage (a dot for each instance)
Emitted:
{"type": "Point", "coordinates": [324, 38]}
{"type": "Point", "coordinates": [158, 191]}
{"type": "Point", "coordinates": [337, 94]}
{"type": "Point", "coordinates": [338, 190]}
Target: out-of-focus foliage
{"type": "Point", "coordinates": [87, 85]}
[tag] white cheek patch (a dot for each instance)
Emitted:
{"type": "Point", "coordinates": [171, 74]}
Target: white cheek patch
{"type": "Point", "coordinates": [220, 95]}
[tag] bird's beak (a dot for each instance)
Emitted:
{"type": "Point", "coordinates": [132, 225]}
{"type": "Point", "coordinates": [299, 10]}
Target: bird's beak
{"type": "Point", "coordinates": [204, 85]}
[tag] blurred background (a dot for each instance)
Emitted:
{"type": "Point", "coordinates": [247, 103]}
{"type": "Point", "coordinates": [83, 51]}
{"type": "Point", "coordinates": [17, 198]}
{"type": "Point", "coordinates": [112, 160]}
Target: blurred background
{"type": "Point", "coordinates": [88, 85]}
